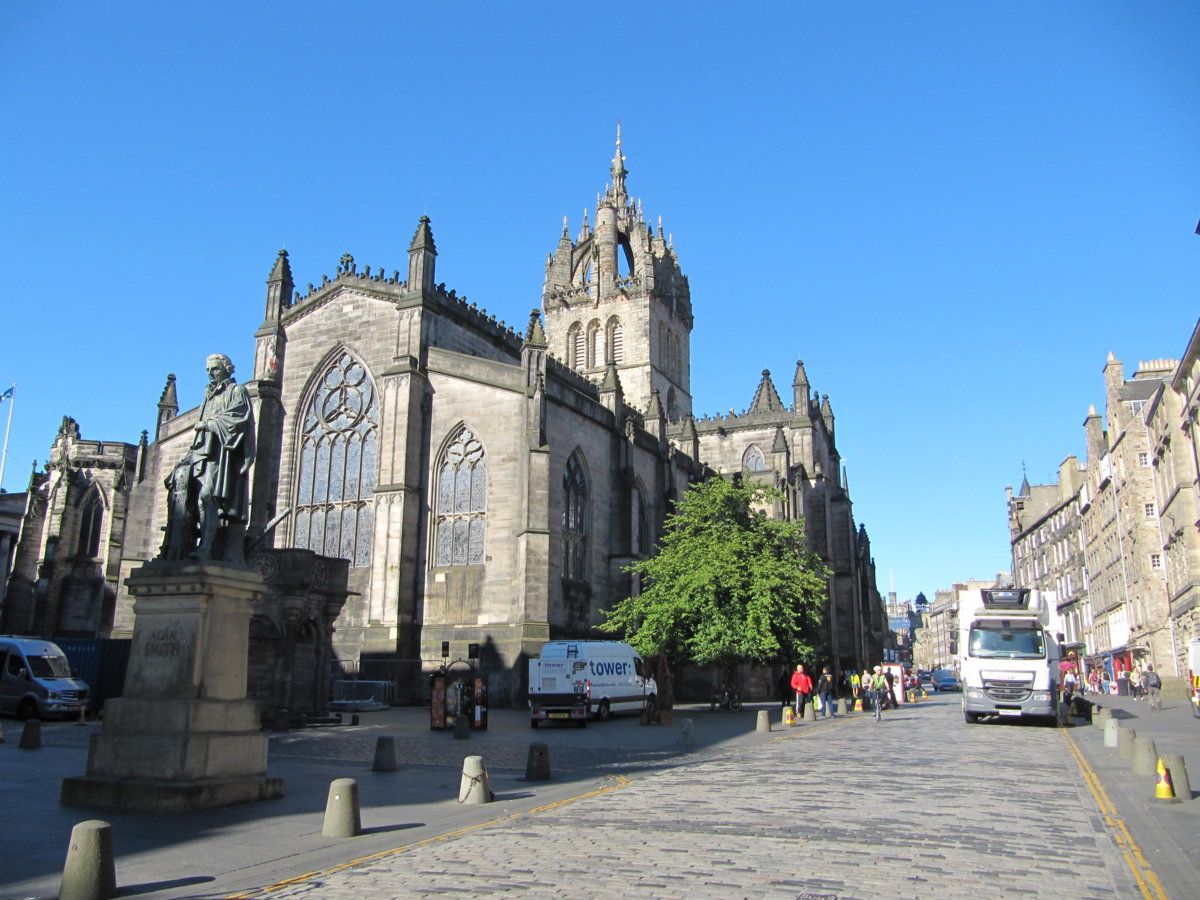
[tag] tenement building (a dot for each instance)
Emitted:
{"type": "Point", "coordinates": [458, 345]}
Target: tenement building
{"type": "Point", "coordinates": [474, 483]}
{"type": "Point", "coordinates": [1094, 536]}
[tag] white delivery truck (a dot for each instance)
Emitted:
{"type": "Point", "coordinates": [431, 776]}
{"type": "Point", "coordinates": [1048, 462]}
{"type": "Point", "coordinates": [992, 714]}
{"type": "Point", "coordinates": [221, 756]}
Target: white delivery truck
{"type": "Point", "coordinates": [573, 680]}
{"type": "Point", "coordinates": [36, 679]}
{"type": "Point", "coordinates": [1008, 649]}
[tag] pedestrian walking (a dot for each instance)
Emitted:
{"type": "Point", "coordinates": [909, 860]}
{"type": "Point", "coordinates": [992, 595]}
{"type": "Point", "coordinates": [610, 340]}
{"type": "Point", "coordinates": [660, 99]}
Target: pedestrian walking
{"type": "Point", "coordinates": [802, 686]}
{"type": "Point", "coordinates": [1068, 685]}
{"type": "Point", "coordinates": [1094, 681]}
{"type": "Point", "coordinates": [890, 696]}
{"type": "Point", "coordinates": [826, 693]}
{"type": "Point", "coordinates": [1152, 684]}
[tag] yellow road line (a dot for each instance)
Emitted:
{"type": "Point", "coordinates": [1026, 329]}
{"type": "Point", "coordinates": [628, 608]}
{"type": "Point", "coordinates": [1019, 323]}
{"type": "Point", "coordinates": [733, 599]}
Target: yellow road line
{"type": "Point", "coordinates": [1147, 881]}
{"type": "Point", "coordinates": [619, 781]}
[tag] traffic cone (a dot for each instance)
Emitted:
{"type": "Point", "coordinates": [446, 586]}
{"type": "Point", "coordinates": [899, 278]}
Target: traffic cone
{"type": "Point", "coordinates": [858, 704]}
{"type": "Point", "coordinates": [1164, 790]}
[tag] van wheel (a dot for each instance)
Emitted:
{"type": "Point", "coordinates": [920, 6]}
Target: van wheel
{"type": "Point", "coordinates": [533, 723]}
{"type": "Point", "coordinates": [970, 718]}
{"type": "Point", "coordinates": [27, 709]}
{"type": "Point", "coordinates": [651, 706]}
{"type": "Point", "coordinates": [603, 711]}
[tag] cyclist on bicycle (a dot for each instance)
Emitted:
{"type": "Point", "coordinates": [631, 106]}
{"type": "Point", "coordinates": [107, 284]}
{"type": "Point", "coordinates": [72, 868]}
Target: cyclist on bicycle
{"type": "Point", "coordinates": [877, 689]}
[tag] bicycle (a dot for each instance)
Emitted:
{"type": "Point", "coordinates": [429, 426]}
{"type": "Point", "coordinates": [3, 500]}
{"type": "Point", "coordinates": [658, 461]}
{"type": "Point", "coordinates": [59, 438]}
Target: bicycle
{"type": "Point", "coordinates": [726, 699]}
{"type": "Point", "coordinates": [877, 704]}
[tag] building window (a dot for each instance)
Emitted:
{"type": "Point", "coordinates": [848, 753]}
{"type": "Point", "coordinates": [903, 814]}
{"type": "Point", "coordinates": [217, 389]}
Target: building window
{"type": "Point", "coordinates": [1143, 459]}
{"type": "Point", "coordinates": [339, 460]}
{"type": "Point", "coordinates": [1149, 510]}
{"type": "Point", "coordinates": [616, 340]}
{"type": "Point", "coordinates": [575, 530]}
{"type": "Point", "coordinates": [595, 345]}
{"type": "Point", "coordinates": [1156, 560]}
{"type": "Point", "coordinates": [639, 538]}
{"type": "Point", "coordinates": [91, 520]}
{"type": "Point", "coordinates": [575, 347]}
{"type": "Point", "coordinates": [461, 502]}
{"type": "Point", "coordinates": [753, 460]}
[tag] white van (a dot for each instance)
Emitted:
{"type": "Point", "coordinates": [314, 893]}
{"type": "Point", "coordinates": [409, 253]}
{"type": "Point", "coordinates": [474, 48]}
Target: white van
{"type": "Point", "coordinates": [574, 679]}
{"type": "Point", "coordinates": [36, 680]}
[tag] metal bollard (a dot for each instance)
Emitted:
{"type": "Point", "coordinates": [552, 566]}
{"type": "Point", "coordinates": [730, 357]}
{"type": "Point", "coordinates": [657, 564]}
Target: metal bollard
{"type": "Point", "coordinates": [763, 723]}
{"type": "Point", "coordinates": [1179, 776]}
{"type": "Point", "coordinates": [537, 764]}
{"type": "Point", "coordinates": [89, 872]}
{"type": "Point", "coordinates": [342, 817]}
{"type": "Point", "coordinates": [31, 735]}
{"type": "Point", "coordinates": [385, 755]}
{"type": "Point", "coordinates": [1144, 759]}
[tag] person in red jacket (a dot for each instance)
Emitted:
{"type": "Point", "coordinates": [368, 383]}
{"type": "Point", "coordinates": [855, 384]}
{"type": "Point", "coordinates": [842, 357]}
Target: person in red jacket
{"type": "Point", "coordinates": [803, 686]}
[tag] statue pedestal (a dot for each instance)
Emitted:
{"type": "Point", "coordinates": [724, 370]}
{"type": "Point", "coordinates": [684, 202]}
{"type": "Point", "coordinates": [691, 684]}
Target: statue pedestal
{"type": "Point", "coordinates": [183, 736]}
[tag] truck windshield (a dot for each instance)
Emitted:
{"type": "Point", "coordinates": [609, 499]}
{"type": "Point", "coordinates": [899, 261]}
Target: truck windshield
{"type": "Point", "coordinates": [49, 666]}
{"type": "Point", "coordinates": [1007, 643]}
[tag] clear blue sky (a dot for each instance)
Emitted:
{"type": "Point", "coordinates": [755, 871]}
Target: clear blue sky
{"type": "Point", "coordinates": [951, 211]}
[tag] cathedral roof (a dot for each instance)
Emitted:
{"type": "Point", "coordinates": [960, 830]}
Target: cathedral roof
{"type": "Point", "coordinates": [766, 398]}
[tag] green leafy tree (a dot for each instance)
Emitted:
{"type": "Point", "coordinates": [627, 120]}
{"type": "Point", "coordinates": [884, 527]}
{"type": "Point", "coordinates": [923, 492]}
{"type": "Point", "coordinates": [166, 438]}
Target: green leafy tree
{"type": "Point", "coordinates": [728, 584]}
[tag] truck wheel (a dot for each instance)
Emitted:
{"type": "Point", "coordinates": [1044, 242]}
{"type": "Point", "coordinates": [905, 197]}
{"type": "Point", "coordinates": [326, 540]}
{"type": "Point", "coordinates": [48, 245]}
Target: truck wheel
{"type": "Point", "coordinates": [970, 718]}
{"type": "Point", "coordinates": [533, 723]}
{"type": "Point", "coordinates": [603, 711]}
{"type": "Point", "coordinates": [27, 709]}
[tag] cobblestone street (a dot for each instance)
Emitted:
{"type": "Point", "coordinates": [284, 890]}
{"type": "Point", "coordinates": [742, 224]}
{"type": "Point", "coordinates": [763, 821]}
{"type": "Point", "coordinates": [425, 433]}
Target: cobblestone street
{"type": "Point", "coordinates": [917, 806]}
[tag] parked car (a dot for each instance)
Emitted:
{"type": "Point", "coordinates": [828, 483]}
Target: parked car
{"type": "Point", "coordinates": [945, 680]}
{"type": "Point", "coordinates": [926, 679]}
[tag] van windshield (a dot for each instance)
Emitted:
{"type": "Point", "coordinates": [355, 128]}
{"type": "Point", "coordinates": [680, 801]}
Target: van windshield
{"type": "Point", "coordinates": [49, 666]}
{"type": "Point", "coordinates": [1007, 643]}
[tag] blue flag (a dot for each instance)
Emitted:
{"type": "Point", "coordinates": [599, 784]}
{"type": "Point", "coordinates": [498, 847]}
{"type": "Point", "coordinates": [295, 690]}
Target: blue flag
{"type": "Point", "coordinates": [7, 395]}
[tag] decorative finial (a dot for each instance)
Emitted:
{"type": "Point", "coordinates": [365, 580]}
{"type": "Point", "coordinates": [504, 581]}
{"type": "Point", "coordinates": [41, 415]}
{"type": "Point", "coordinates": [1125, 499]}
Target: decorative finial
{"type": "Point", "coordinates": [565, 232]}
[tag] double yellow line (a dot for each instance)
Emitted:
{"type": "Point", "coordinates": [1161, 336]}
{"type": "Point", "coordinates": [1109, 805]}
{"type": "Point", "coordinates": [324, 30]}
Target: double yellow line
{"type": "Point", "coordinates": [1147, 882]}
{"type": "Point", "coordinates": [619, 781]}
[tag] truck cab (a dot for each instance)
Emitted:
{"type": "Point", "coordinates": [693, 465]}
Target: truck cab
{"type": "Point", "coordinates": [1008, 650]}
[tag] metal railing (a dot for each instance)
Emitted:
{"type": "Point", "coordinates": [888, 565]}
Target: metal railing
{"type": "Point", "coordinates": [356, 695]}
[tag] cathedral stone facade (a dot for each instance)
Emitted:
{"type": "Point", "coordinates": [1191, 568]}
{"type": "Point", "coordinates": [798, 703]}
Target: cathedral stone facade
{"type": "Point", "coordinates": [473, 483]}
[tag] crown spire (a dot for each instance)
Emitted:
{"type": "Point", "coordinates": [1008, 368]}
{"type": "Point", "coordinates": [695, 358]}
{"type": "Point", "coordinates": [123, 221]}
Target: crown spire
{"type": "Point", "coordinates": [618, 169]}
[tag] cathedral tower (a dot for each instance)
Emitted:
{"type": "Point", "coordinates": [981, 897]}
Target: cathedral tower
{"type": "Point", "coordinates": [615, 294]}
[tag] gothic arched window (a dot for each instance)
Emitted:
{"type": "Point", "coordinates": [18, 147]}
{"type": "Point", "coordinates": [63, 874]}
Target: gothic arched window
{"type": "Point", "coordinates": [461, 513]}
{"type": "Point", "coordinates": [616, 340]}
{"type": "Point", "coordinates": [595, 344]}
{"type": "Point", "coordinates": [575, 347]}
{"type": "Point", "coordinates": [753, 459]}
{"type": "Point", "coordinates": [639, 526]}
{"type": "Point", "coordinates": [672, 412]}
{"type": "Point", "coordinates": [91, 521]}
{"type": "Point", "coordinates": [338, 463]}
{"type": "Point", "coordinates": [575, 520]}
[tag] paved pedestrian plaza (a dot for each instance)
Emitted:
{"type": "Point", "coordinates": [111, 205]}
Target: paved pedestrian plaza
{"type": "Point", "coordinates": [920, 805]}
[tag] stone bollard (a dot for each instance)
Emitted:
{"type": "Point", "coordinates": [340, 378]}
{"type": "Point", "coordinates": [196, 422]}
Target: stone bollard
{"type": "Point", "coordinates": [1112, 732]}
{"type": "Point", "coordinates": [810, 712]}
{"type": "Point", "coordinates": [475, 786]}
{"type": "Point", "coordinates": [763, 724]}
{"type": "Point", "coordinates": [1100, 715]}
{"type": "Point", "coordinates": [687, 734]}
{"type": "Point", "coordinates": [89, 873]}
{"type": "Point", "coordinates": [1144, 759]}
{"type": "Point", "coordinates": [281, 720]}
{"type": "Point", "coordinates": [1179, 776]}
{"type": "Point", "coordinates": [1064, 714]}
{"type": "Point", "coordinates": [354, 719]}
{"type": "Point", "coordinates": [537, 764]}
{"type": "Point", "coordinates": [31, 735]}
{"type": "Point", "coordinates": [788, 719]}
{"type": "Point", "coordinates": [462, 728]}
{"type": "Point", "coordinates": [385, 755]}
{"type": "Point", "coordinates": [342, 818]}
{"type": "Point", "coordinates": [1125, 743]}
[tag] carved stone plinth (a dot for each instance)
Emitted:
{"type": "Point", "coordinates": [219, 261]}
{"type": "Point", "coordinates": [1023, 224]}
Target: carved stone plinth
{"type": "Point", "coordinates": [183, 736]}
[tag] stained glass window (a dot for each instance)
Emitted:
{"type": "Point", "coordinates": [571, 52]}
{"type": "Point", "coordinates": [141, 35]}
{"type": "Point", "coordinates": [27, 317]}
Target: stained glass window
{"type": "Point", "coordinates": [753, 460]}
{"type": "Point", "coordinates": [461, 502]}
{"type": "Point", "coordinates": [337, 461]}
{"type": "Point", "coordinates": [575, 497]}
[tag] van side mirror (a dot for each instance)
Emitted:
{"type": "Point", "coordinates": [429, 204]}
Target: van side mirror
{"type": "Point", "coordinates": [1061, 638]}
{"type": "Point", "coordinates": [637, 667]}
{"type": "Point", "coordinates": [954, 648]}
